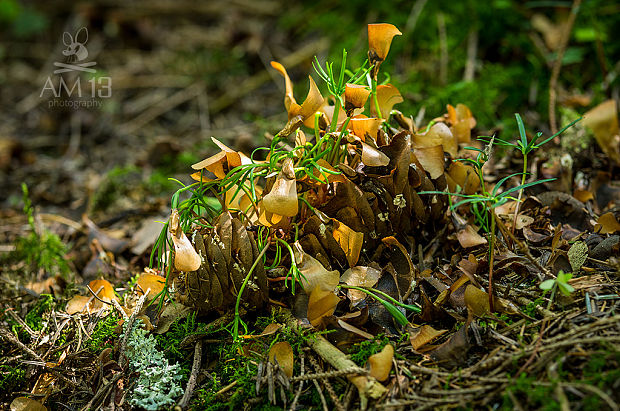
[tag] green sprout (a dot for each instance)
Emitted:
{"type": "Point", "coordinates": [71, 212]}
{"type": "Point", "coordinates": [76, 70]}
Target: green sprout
{"type": "Point", "coordinates": [558, 283]}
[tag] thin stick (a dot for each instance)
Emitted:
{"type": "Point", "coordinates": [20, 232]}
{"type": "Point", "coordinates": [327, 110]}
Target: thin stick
{"type": "Point", "coordinates": [7, 335]}
{"type": "Point", "coordinates": [191, 383]}
{"type": "Point", "coordinates": [557, 65]}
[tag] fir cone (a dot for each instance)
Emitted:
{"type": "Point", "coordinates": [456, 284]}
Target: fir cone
{"type": "Point", "coordinates": [227, 253]}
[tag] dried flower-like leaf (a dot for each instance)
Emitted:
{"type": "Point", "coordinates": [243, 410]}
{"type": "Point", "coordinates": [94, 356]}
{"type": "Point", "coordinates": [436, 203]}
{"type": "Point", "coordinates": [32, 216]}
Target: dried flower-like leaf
{"type": "Point", "coordinates": [360, 276]}
{"type": "Point", "coordinates": [607, 224]}
{"type": "Point", "coordinates": [380, 37]}
{"type": "Point", "coordinates": [363, 126]}
{"type": "Point", "coordinates": [423, 335]}
{"type": "Point", "coordinates": [432, 160]}
{"type": "Point", "coordinates": [381, 363]}
{"type": "Point", "coordinates": [355, 96]}
{"type": "Point", "coordinates": [373, 157]}
{"type": "Point", "coordinates": [314, 273]}
{"type": "Point", "coordinates": [288, 85]}
{"type": "Point", "coordinates": [153, 282]}
{"type": "Point", "coordinates": [282, 199]}
{"type": "Point", "coordinates": [350, 241]}
{"type": "Point", "coordinates": [321, 304]}
{"type": "Point", "coordinates": [387, 96]}
{"type": "Point", "coordinates": [465, 176]}
{"type": "Point", "coordinates": [186, 258]}
{"type": "Point", "coordinates": [469, 237]}
{"type": "Point", "coordinates": [214, 164]}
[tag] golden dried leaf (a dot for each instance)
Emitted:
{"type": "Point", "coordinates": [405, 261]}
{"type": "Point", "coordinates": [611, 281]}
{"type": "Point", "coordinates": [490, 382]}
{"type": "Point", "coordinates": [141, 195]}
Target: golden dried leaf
{"type": "Point", "coordinates": [469, 237]}
{"type": "Point", "coordinates": [282, 199]}
{"type": "Point", "coordinates": [423, 335]}
{"type": "Point", "coordinates": [607, 224]}
{"type": "Point", "coordinates": [107, 291]}
{"type": "Point", "coordinates": [288, 85]}
{"type": "Point", "coordinates": [355, 96]}
{"type": "Point", "coordinates": [373, 157]}
{"type": "Point", "coordinates": [380, 37]}
{"type": "Point", "coordinates": [364, 126]}
{"type": "Point", "coordinates": [353, 329]}
{"type": "Point", "coordinates": [350, 241]}
{"type": "Point", "coordinates": [313, 102]}
{"type": "Point", "coordinates": [360, 276]}
{"type": "Point", "coordinates": [154, 282]}
{"type": "Point", "coordinates": [186, 258]}
{"type": "Point", "coordinates": [321, 304]}
{"type": "Point", "coordinates": [387, 96]}
{"type": "Point", "coordinates": [79, 304]}
{"type": "Point", "coordinates": [603, 120]}
{"type": "Point", "coordinates": [214, 164]}
{"type": "Point", "coordinates": [282, 354]}
{"type": "Point", "coordinates": [476, 300]}
{"type": "Point", "coordinates": [314, 273]}
{"type": "Point", "coordinates": [381, 363]}
{"type": "Point", "coordinates": [26, 404]}
{"type": "Point", "coordinates": [465, 176]}
{"type": "Point", "coordinates": [432, 160]}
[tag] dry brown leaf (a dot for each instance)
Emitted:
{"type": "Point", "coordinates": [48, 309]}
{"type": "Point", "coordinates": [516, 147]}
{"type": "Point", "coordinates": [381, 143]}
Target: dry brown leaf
{"type": "Point", "coordinates": [432, 160]}
{"type": "Point", "coordinates": [373, 157]}
{"type": "Point", "coordinates": [79, 304]}
{"type": "Point", "coordinates": [423, 335]}
{"type": "Point", "coordinates": [364, 126]}
{"type": "Point", "coordinates": [26, 404]}
{"type": "Point", "coordinates": [355, 96]}
{"type": "Point", "coordinates": [387, 97]}
{"type": "Point", "coordinates": [214, 164]}
{"type": "Point", "coordinates": [321, 304]}
{"type": "Point", "coordinates": [380, 37]}
{"type": "Point", "coordinates": [288, 85]}
{"type": "Point", "coordinates": [607, 224]}
{"type": "Point", "coordinates": [107, 291]}
{"type": "Point", "coordinates": [185, 258]}
{"type": "Point", "coordinates": [360, 276]}
{"type": "Point", "coordinates": [314, 273]}
{"type": "Point", "coordinates": [603, 120]}
{"type": "Point", "coordinates": [381, 363]}
{"type": "Point", "coordinates": [282, 354]}
{"type": "Point", "coordinates": [465, 176]}
{"type": "Point", "coordinates": [476, 300]}
{"type": "Point", "coordinates": [469, 237]}
{"type": "Point", "coordinates": [154, 282]}
{"type": "Point", "coordinates": [353, 329]}
{"type": "Point", "coordinates": [350, 241]}
{"type": "Point", "coordinates": [282, 199]}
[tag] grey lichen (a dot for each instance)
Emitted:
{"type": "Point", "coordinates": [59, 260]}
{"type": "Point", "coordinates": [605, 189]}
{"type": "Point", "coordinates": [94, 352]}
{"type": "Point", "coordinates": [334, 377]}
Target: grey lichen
{"type": "Point", "coordinates": [158, 383]}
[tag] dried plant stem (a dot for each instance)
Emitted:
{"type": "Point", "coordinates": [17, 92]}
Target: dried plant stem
{"type": "Point", "coordinates": [368, 386]}
{"type": "Point", "coordinates": [191, 383]}
{"type": "Point", "coordinates": [557, 65]}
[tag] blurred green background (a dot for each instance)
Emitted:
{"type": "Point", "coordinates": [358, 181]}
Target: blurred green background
{"type": "Point", "coordinates": [185, 71]}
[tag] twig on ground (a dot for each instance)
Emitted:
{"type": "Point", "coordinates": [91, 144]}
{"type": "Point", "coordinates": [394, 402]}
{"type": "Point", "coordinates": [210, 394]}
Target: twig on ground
{"type": "Point", "coordinates": [191, 383]}
{"type": "Point", "coordinates": [8, 335]}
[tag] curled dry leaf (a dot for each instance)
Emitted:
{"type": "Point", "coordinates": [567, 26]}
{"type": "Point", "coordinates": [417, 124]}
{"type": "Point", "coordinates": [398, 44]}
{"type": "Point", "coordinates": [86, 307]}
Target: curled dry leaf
{"type": "Point", "coordinates": [380, 37]}
{"type": "Point", "coordinates": [360, 276]}
{"type": "Point", "coordinates": [282, 354]}
{"type": "Point", "coordinates": [314, 273]}
{"type": "Point", "coordinates": [423, 335]}
{"type": "Point", "coordinates": [462, 121]}
{"type": "Point", "coordinates": [153, 282]}
{"type": "Point", "coordinates": [350, 241]}
{"type": "Point", "coordinates": [79, 304]}
{"type": "Point", "coordinates": [603, 120]}
{"type": "Point", "coordinates": [26, 404]}
{"type": "Point", "coordinates": [321, 304]}
{"type": "Point", "coordinates": [431, 159]}
{"type": "Point", "coordinates": [103, 289]}
{"type": "Point", "coordinates": [282, 199]}
{"type": "Point", "coordinates": [463, 175]}
{"type": "Point", "coordinates": [381, 363]}
{"type": "Point", "coordinates": [469, 237]}
{"type": "Point", "coordinates": [387, 97]}
{"type": "Point", "coordinates": [353, 329]}
{"type": "Point", "coordinates": [373, 157]}
{"type": "Point", "coordinates": [476, 300]}
{"type": "Point", "coordinates": [185, 258]}
{"type": "Point", "coordinates": [364, 126]}
{"type": "Point", "coordinates": [355, 96]}
{"type": "Point", "coordinates": [607, 224]}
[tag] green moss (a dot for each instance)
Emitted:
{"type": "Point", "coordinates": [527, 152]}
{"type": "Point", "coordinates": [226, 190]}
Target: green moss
{"type": "Point", "coordinates": [103, 335]}
{"type": "Point", "coordinates": [41, 251]}
{"type": "Point", "coordinates": [367, 348]}
{"type": "Point", "coordinates": [34, 319]}
{"type": "Point", "coordinates": [11, 378]}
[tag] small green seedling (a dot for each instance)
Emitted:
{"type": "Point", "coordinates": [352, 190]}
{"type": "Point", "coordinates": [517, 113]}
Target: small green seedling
{"type": "Point", "coordinates": [389, 303]}
{"type": "Point", "coordinates": [558, 283]}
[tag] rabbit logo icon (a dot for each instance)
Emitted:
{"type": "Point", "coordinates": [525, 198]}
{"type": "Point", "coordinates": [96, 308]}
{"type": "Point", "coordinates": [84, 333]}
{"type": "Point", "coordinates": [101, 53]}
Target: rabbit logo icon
{"type": "Point", "coordinates": [76, 52]}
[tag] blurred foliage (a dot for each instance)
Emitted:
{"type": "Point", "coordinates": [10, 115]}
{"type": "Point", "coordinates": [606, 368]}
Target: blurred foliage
{"type": "Point", "coordinates": [512, 73]}
{"type": "Point", "coordinates": [22, 21]}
